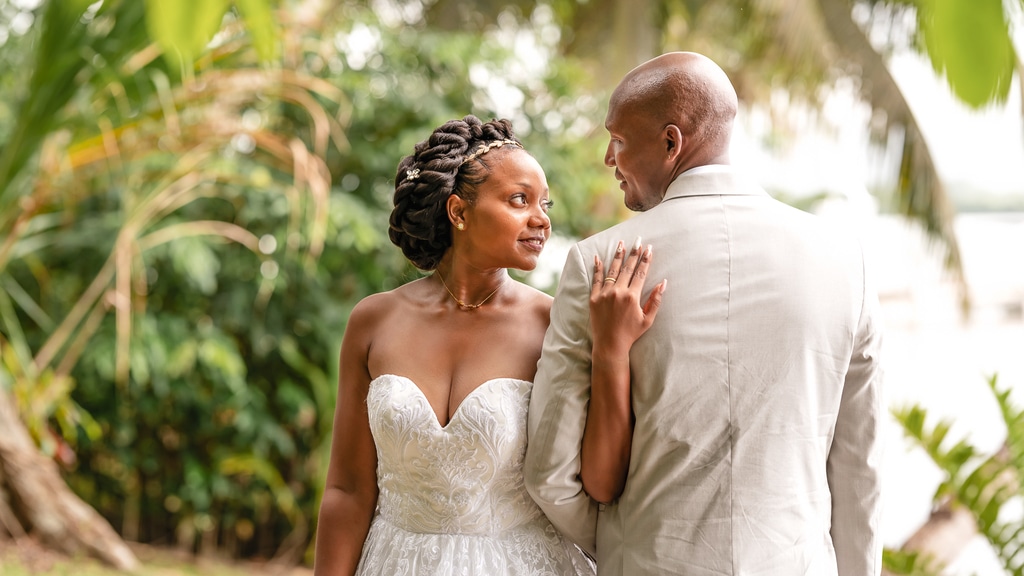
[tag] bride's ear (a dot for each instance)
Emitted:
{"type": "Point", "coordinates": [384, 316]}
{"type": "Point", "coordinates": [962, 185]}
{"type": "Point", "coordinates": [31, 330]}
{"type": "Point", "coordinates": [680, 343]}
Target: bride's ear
{"type": "Point", "coordinates": [456, 211]}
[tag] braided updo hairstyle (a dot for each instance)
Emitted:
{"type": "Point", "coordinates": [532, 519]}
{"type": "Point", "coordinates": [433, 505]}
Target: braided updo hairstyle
{"type": "Point", "coordinates": [419, 223]}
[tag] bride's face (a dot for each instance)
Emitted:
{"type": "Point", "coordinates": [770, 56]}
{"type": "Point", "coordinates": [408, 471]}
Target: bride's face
{"type": "Point", "coordinates": [508, 225]}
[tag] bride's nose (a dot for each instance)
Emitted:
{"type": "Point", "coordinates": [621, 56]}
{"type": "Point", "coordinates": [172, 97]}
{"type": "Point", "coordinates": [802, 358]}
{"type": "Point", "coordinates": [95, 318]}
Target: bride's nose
{"type": "Point", "coordinates": [539, 218]}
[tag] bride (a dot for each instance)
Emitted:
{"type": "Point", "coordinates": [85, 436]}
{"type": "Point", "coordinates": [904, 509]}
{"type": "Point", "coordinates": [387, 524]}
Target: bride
{"type": "Point", "coordinates": [425, 475]}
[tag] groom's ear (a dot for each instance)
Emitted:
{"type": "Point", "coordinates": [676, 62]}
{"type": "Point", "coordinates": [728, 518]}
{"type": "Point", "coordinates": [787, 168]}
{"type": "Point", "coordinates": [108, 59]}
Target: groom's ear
{"type": "Point", "coordinates": [673, 138]}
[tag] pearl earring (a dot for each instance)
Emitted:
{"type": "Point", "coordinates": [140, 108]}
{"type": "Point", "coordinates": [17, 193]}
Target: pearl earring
{"type": "Point", "coordinates": [460, 226]}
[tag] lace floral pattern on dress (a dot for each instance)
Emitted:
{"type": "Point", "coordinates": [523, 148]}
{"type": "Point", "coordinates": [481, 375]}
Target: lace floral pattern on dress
{"type": "Point", "coordinates": [452, 499]}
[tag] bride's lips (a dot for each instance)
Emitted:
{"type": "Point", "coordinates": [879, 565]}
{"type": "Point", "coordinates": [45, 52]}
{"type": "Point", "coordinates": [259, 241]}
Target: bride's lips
{"type": "Point", "coordinates": [533, 242]}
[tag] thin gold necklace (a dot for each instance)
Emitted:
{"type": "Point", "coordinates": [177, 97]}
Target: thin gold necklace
{"type": "Point", "coordinates": [462, 304]}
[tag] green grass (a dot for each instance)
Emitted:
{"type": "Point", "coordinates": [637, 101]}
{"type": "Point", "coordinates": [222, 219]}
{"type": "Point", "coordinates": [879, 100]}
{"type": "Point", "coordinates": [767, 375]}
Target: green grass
{"type": "Point", "coordinates": [30, 559]}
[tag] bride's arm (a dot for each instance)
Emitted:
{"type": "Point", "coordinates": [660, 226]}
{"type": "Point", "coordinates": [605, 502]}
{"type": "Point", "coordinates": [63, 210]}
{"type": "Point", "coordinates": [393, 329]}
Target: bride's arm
{"type": "Point", "coordinates": [617, 320]}
{"type": "Point", "coordinates": [350, 494]}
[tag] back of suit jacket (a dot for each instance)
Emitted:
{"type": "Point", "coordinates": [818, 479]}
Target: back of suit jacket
{"type": "Point", "coordinates": [757, 395]}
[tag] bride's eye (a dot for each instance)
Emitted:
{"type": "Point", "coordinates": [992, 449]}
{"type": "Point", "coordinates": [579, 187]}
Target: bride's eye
{"type": "Point", "coordinates": [519, 199]}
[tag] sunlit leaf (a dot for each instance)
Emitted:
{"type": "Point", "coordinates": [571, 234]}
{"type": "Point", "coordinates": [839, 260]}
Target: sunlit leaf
{"type": "Point", "coordinates": [183, 359]}
{"type": "Point", "coordinates": [265, 471]}
{"type": "Point", "coordinates": [183, 28]}
{"type": "Point", "coordinates": [141, 362]}
{"type": "Point", "coordinates": [221, 357]}
{"type": "Point", "coordinates": [969, 43]}
{"type": "Point", "coordinates": [197, 262]}
{"type": "Point", "coordinates": [259, 22]}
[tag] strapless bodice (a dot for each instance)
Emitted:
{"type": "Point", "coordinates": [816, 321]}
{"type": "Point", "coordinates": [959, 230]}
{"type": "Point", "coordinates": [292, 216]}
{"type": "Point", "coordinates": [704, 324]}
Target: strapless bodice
{"type": "Point", "coordinates": [462, 478]}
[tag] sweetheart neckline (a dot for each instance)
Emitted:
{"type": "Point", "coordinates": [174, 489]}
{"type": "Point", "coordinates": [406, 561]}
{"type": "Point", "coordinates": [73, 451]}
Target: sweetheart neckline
{"type": "Point", "coordinates": [458, 409]}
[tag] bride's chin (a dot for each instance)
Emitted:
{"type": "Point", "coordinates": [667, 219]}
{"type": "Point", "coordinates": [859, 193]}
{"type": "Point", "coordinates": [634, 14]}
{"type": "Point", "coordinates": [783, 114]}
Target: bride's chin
{"type": "Point", "coordinates": [529, 266]}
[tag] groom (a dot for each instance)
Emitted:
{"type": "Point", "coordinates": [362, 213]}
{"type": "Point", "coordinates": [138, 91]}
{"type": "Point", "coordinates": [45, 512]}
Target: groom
{"type": "Point", "coordinates": [756, 393]}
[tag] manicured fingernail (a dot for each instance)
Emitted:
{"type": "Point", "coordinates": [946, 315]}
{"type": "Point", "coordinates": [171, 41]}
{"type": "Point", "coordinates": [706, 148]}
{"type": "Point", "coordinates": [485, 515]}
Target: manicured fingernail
{"type": "Point", "coordinates": [636, 245]}
{"type": "Point", "coordinates": [618, 248]}
{"type": "Point", "coordinates": [648, 252]}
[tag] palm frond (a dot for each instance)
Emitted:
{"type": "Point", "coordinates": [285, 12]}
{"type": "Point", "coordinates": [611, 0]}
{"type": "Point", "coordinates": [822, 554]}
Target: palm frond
{"type": "Point", "coordinates": [908, 563]}
{"type": "Point", "coordinates": [983, 486]}
{"type": "Point", "coordinates": [919, 193]}
{"type": "Point", "coordinates": [950, 460]}
{"type": "Point", "coordinates": [66, 41]}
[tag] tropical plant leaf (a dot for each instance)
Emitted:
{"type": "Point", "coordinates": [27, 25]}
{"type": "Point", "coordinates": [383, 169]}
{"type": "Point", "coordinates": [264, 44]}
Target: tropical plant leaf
{"type": "Point", "coordinates": [969, 43]}
{"type": "Point", "coordinates": [907, 563]}
{"type": "Point", "coordinates": [952, 459]}
{"type": "Point", "coordinates": [183, 28]}
{"type": "Point", "coordinates": [68, 43]}
{"type": "Point", "coordinates": [991, 491]}
{"type": "Point", "coordinates": [259, 22]}
{"type": "Point", "coordinates": [1013, 417]}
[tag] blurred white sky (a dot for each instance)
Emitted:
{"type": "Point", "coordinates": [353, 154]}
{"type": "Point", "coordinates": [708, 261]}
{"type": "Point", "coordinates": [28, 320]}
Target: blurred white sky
{"type": "Point", "coordinates": [984, 146]}
{"type": "Point", "coordinates": [829, 150]}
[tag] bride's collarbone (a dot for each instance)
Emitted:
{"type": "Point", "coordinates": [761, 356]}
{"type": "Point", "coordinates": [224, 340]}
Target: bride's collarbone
{"type": "Point", "coordinates": [455, 348]}
{"type": "Point", "coordinates": [439, 364]}
{"type": "Point", "coordinates": [464, 329]}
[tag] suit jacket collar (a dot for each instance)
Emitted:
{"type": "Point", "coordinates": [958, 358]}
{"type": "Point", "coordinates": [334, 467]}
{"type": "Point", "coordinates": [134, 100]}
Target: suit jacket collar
{"type": "Point", "coordinates": [714, 180]}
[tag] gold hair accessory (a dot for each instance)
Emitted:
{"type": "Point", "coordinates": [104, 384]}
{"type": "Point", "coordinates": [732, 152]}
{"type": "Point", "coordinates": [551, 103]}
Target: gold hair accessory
{"type": "Point", "coordinates": [485, 148]}
{"type": "Point", "coordinates": [412, 174]}
{"type": "Point", "coordinates": [462, 304]}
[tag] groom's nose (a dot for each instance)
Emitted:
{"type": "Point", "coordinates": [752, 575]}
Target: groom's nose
{"type": "Point", "coordinates": [609, 156]}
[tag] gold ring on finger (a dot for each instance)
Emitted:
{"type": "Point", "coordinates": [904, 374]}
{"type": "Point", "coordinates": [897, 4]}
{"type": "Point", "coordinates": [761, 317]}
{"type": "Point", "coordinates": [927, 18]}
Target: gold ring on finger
{"type": "Point", "coordinates": [609, 279]}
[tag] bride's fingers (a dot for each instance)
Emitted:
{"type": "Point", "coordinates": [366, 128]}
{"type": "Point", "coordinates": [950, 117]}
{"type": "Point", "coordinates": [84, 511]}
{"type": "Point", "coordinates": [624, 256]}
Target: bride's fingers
{"type": "Point", "coordinates": [629, 265]}
{"type": "Point", "coordinates": [653, 303]}
{"type": "Point", "coordinates": [642, 262]}
{"type": "Point", "coordinates": [615, 266]}
{"type": "Point", "coordinates": [598, 279]}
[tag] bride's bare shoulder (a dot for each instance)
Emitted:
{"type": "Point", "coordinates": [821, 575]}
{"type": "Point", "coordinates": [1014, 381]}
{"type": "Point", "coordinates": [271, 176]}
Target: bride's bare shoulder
{"type": "Point", "coordinates": [536, 301]}
{"type": "Point", "coordinates": [537, 297]}
{"type": "Point", "coordinates": [376, 306]}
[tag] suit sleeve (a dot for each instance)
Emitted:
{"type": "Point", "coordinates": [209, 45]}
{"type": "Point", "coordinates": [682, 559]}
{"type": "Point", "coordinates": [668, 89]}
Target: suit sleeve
{"type": "Point", "coordinates": [558, 410]}
{"type": "Point", "coordinates": [855, 459]}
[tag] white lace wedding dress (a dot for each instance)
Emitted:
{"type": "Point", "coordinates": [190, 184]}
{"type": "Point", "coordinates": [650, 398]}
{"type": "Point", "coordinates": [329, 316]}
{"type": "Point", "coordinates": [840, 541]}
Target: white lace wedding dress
{"type": "Point", "coordinates": [452, 500]}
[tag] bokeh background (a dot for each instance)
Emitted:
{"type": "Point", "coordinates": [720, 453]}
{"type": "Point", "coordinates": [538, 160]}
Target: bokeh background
{"type": "Point", "coordinates": [194, 194]}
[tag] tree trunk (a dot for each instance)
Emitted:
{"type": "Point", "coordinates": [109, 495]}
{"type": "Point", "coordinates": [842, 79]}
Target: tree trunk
{"type": "Point", "coordinates": [35, 499]}
{"type": "Point", "coordinates": [922, 197]}
{"type": "Point", "coordinates": [943, 537]}
{"type": "Point", "coordinates": [610, 36]}
{"type": "Point", "coordinates": [614, 37]}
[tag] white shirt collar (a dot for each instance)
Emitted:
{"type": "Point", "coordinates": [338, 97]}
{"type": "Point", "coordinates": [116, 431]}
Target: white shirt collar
{"type": "Point", "coordinates": [709, 169]}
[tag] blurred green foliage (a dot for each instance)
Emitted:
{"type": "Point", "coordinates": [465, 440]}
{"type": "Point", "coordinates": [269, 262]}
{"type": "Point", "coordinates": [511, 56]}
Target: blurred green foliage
{"type": "Point", "coordinates": [987, 485]}
{"type": "Point", "coordinates": [183, 250]}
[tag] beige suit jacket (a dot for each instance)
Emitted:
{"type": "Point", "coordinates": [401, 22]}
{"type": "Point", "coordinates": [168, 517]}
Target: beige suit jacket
{"type": "Point", "coordinates": [757, 395]}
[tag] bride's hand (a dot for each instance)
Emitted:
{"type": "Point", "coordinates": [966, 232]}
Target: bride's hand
{"type": "Point", "coordinates": [617, 319]}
